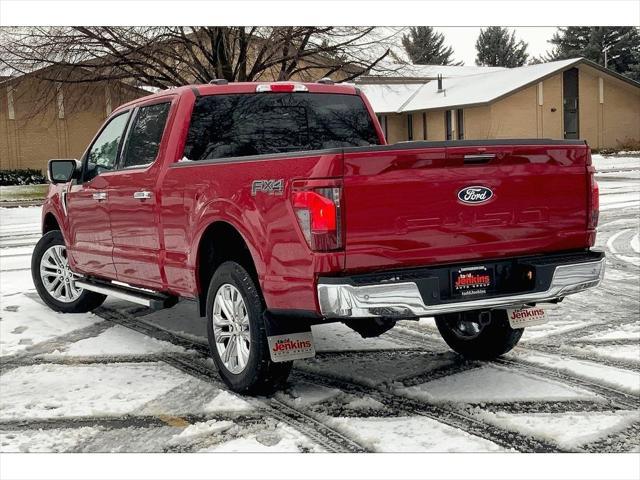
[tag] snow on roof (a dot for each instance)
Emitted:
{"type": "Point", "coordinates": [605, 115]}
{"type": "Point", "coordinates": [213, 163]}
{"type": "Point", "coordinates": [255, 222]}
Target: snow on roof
{"type": "Point", "coordinates": [432, 71]}
{"type": "Point", "coordinates": [390, 97]}
{"type": "Point", "coordinates": [474, 88]}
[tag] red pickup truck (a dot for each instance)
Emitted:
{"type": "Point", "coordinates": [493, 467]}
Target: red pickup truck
{"type": "Point", "coordinates": [279, 205]}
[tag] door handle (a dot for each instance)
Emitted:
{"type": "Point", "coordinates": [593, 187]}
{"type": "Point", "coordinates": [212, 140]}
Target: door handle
{"type": "Point", "coordinates": [142, 195]}
{"type": "Point", "coordinates": [100, 196]}
{"type": "Point", "coordinates": [479, 158]}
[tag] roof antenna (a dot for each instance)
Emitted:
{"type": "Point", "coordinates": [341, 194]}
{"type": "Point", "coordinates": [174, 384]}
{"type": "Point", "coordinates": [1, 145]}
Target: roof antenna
{"type": "Point", "coordinates": [440, 89]}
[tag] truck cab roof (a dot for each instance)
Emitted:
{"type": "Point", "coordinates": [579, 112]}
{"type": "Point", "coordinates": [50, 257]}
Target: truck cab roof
{"type": "Point", "coordinates": [248, 87]}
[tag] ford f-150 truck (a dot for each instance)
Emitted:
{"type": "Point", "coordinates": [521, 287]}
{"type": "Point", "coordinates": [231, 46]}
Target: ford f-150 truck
{"type": "Point", "coordinates": [277, 206]}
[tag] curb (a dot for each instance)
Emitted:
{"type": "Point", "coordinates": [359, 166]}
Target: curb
{"type": "Point", "coordinates": [20, 203]}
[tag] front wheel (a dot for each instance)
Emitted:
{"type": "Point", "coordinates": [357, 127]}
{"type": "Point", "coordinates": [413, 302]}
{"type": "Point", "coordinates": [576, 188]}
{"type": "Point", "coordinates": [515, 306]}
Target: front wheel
{"type": "Point", "coordinates": [466, 335]}
{"type": "Point", "coordinates": [54, 280]}
{"type": "Point", "coordinates": [236, 333]}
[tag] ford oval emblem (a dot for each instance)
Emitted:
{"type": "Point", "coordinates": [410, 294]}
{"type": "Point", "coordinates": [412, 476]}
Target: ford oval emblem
{"type": "Point", "coordinates": [475, 194]}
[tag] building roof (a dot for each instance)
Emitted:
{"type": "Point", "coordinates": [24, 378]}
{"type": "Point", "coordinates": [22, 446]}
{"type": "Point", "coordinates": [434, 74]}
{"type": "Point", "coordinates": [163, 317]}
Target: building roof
{"type": "Point", "coordinates": [404, 72]}
{"type": "Point", "coordinates": [475, 88]}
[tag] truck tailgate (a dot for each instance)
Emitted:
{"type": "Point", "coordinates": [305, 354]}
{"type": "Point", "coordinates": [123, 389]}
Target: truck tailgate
{"type": "Point", "coordinates": [407, 205]}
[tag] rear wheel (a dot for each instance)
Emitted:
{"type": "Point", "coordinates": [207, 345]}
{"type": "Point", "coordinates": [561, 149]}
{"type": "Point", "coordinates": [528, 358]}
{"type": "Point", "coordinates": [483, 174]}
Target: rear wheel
{"type": "Point", "coordinates": [466, 335]}
{"type": "Point", "coordinates": [54, 280]}
{"type": "Point", "coordinates": [237, 335]}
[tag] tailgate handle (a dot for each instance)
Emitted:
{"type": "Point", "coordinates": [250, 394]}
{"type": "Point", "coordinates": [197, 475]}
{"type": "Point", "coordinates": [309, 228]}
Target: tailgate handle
{"type": "Point", "coordinates": [479, 158]}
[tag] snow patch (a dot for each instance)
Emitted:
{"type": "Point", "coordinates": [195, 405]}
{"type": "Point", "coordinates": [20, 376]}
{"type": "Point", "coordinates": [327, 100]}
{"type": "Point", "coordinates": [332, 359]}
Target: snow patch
{"type": "Point", "coordinates": [493, 384]}
{"type": "Point", "coordinates": [45, 441]}
{"type": "Point", "coordinates": [567, 430]}
{"type": "Point", "coordinates": [227, 402]}
{"type": "Point", "coordinates": [364, 403]}
{"type": "Point", "coordinates": [622, 352]}
{"type": "Point", "coordinates": [44, 391]}
{"type": "Point", "coordinates": [615, 377]}
{"type": "Point", "coordinates": [119, 340]}
{"type": "Point", "coordinates": [29, 323]}
{"type": "Point", "coordinates": [411, 434]}
{"type": "Point", "coordinates": [281, 439]}
{"type": "Point", "coordinates": [307, 394]}
{"type": "Point", "coordinates": [201, 429]}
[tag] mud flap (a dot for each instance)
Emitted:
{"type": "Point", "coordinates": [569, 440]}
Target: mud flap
{"type": "Point", "coordinates": [289, 339]}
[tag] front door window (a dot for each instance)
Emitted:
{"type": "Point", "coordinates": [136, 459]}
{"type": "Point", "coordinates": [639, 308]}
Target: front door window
{"type": "Point", "coordinates": [103, 154]}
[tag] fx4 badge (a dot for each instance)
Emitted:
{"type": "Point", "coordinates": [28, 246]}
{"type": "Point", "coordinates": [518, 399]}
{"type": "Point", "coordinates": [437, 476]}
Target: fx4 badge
{"type": "Point", "coordinates": [270, 187]}
{"type": "Point", "coordinates": [475, 194]}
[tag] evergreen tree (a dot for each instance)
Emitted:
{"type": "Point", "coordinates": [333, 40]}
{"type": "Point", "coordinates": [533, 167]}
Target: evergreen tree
{"type": "Point", "coordinates": [623, 43]}
{"type": "Point", "coordinates": [425, 46]}
{"type": "Point", "coordinates": [498, 47]}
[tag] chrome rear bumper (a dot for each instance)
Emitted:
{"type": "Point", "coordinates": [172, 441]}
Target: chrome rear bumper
{"type": "Point", "coordinates": [403, 299]}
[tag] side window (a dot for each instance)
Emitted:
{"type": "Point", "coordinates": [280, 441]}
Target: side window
{"type": "Point", "coordinates": [460, 123]}
{"type": "Point", "coordinates": [145, 135]}
{"type": "Point", "coordinates": [103, 154]}
{"type": "Point", "coordinates": [447, 125]}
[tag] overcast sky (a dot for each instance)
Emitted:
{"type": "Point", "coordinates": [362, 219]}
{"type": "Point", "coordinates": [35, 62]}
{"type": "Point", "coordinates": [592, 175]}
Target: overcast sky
{"type": "Point", "coordinates": [463, 40]}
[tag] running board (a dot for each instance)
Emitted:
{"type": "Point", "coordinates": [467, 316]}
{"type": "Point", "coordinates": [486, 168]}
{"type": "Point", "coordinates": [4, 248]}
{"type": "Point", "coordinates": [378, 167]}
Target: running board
{"type": "Point", "coordinates": [155, 301]}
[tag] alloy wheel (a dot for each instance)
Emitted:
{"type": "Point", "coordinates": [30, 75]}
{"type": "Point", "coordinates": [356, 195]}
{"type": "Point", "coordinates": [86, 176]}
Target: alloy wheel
{"type": "Point", "coordinates": [56, 275]}
{"type": "Point", "coordinates": [231, 328]}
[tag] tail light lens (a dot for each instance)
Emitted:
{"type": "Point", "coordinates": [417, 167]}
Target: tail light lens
{"type": "Point", "coordinates": [318, 211]}
{"type": "Point", "coordinates": [594, 202]}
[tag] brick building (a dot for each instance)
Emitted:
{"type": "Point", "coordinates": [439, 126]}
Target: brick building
{"type": "Point", "coordinates": [573, 98]}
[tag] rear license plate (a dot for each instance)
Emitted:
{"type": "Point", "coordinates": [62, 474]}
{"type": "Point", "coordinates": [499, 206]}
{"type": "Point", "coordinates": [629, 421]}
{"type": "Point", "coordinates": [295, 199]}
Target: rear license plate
{"type": "Point", "coordinates": [526, 317]}
{"type": "Point", "coordinates": [471, 281]}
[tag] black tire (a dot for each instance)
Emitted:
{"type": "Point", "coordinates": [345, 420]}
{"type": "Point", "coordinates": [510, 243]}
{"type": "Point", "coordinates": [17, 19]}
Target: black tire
{"type": "Point", "coordinates": [86, 302]}
{"type": "Point", "coordinates": [261, 375]}
{"type": "Point", "coordinates": [494, 339]}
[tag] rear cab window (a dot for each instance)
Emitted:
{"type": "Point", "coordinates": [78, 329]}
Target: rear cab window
{"type": "Point", "coordinates": [239, 125]}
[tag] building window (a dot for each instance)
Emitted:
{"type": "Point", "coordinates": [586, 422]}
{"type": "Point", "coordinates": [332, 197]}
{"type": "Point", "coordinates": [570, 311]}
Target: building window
{"type": "Point", "coordinates": [107, 100]}
{"type": "Point", "coordinates": [460, 123]}
{"type": "Point", "coordinates": [424, 125]}
{"type": "Point", "coordinates": [410, 127]}
{"type": "Point", "coordinates": [382, 119]}
{"type": "Point", "coordinates": [11, 111]}
{"type": "Point", "coordinates": [447, 124]}
{"type": "Point", "coordinates": [60, 100]}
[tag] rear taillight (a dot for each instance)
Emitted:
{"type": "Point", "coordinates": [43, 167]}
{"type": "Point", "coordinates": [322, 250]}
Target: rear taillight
{"type": "Point", "coordinates": [318, 211]}
{"type": "Point", "coordinates": [594, 202]}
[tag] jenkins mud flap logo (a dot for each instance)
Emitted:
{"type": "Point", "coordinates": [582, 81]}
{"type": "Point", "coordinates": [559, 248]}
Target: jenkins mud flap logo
{"type": "Point", "coordinates": [289, 345]}
{"type": "Point", "coordinates": [293, 346]}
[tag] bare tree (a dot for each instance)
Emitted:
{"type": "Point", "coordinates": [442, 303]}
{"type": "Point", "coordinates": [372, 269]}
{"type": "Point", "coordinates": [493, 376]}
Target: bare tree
{"type": "Point", "coordinates": [163, 57]}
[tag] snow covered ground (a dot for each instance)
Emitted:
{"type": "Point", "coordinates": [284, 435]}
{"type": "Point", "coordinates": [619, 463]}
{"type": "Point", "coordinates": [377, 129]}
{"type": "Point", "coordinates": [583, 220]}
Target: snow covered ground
{"type": "Point", "coordinates": [130, 380]}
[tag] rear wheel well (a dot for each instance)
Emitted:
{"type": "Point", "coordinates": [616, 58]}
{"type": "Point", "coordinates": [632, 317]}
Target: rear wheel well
{"type": "Point", "coordinates": [221, 242]}
{"type": "Point", "coordinates": [50, 223]}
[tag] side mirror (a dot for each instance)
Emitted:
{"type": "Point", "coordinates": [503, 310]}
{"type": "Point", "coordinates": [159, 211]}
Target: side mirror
{"type": "Point", "coordinates": [62, 171]}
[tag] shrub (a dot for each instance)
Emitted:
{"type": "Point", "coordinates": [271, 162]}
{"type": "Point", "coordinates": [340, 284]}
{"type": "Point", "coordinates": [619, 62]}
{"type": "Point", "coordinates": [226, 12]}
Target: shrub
{"type": "Point", "coordinates": [28, 176]}
{"type": "Point", "coordinates": [624, 146]}
{"type": "Point", "coordinates": [629, 145]}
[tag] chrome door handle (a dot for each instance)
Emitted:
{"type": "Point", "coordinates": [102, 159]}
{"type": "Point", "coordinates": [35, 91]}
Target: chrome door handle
{"type": "Point", "coordinates": [142, 195]}
{"type": "Point", "coordinates": [479, 158]}
{"type": "Point", "coordinates": [100, 196]}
